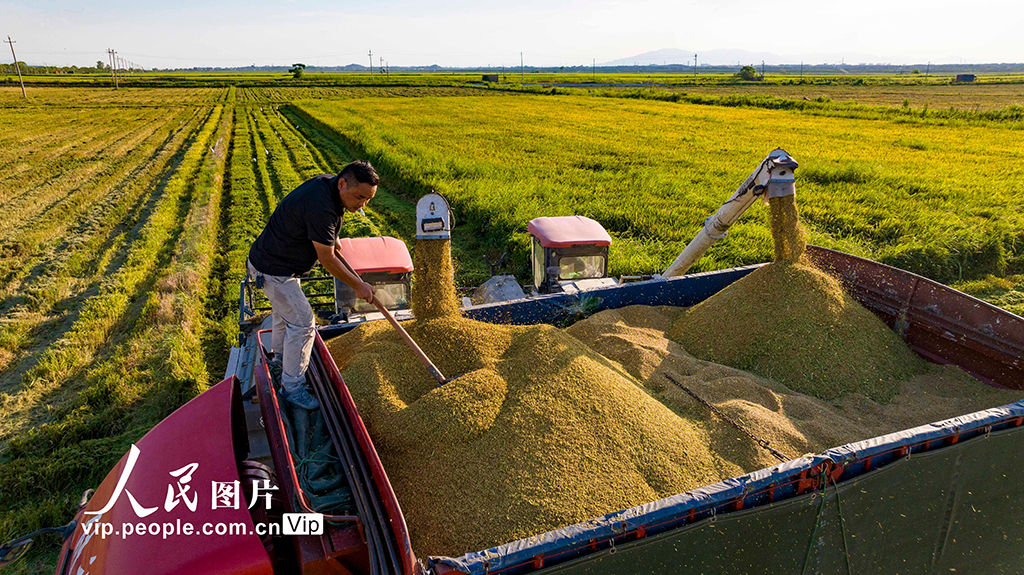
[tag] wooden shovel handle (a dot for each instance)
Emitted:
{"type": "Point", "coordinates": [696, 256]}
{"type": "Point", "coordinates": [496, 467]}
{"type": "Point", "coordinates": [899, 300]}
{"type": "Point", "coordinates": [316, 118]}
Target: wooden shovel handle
{"type": "Point", "coordinates": [401, 331]}
{"type": "Point", "coordinates": [405, 335]}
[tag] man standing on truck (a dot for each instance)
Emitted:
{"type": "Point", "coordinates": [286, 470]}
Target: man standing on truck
{"type": "Point", "coordinates": [302, 231]}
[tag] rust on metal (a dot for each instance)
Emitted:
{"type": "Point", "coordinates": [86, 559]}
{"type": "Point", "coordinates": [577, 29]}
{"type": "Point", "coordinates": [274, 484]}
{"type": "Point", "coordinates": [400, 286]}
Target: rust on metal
{"type": "Point", "coordinates": [940, 323]}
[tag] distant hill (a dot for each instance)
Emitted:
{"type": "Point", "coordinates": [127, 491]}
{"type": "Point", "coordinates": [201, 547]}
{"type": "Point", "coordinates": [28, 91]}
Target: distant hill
{"type": "Point", "coordinates": [741, 57]}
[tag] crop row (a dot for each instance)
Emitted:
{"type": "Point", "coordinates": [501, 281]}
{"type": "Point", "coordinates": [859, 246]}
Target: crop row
{"type": "Point", "coordinates": [41, 288]}
{"type": "Point", "coordinates": [652, 171]}
{"type": "Point", "coordinates": [48, 148]}
{"type": "Point", "coordinates": [36, 217]}
{"type": "Point", "coordinates": [72, 96]}
{"type": "Point", "coordinates": [30, 131]}
{"type": "Point", "coordinates": [131, 354]}
{"type": "Point", "coordinates": [101, 313]}
{"type": "Point", "coordinates": [72, 183]}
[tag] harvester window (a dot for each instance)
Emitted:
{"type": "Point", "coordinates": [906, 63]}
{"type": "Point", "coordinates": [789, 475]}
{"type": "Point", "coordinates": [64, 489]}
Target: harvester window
{"type": "Point", "coordinates": [581, 267]}
{"type": "Point", "coordinates": [393, 296]}
{"type": "Point", "coordinates": [539, 264]}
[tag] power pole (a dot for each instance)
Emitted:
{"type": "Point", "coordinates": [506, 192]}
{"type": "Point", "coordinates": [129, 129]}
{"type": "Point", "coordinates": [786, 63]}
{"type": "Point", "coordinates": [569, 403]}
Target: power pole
{"type": "Point", "coordinates": [595, 70]}
{"type": "Point", "coordinates": [762, 69]}
{"type": "Point", "coordinates": [694, 68]}
{"type": "Point", "coordinates": [801, 69]}
{"type": "Point", "coordinates": [16, 67]}
{"type": "Point", "coordinates": [113, 73]}
{"type": "Point", "coordinates": [522, 77]}
{"type": "Point", "coordinates": [371, 65]}
{"type": "Point", "coordinates": [928, 70]}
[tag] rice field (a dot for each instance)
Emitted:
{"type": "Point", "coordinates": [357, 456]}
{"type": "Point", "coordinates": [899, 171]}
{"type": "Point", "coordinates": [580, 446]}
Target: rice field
{"type": "Point", "coordinates": [940, 200]}
{"type": "Point", "coordinates": [126, 216]}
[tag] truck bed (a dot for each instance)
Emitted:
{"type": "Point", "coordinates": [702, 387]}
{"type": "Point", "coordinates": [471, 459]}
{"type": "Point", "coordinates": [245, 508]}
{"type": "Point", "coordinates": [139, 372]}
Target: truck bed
{"type": "Point", "coordinates": [939, 496]}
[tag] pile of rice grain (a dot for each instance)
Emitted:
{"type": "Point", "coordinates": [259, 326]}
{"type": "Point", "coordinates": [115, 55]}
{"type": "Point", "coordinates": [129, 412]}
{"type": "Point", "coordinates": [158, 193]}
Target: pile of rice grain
{"type": "Point", "coordinates": [791, 322]}
{"type": "Point", "coordinates": [538, 433]}
{"type": "Point", "coordinates": [794, 324]}
{"type": "Point", "coordinates": [794, 423]}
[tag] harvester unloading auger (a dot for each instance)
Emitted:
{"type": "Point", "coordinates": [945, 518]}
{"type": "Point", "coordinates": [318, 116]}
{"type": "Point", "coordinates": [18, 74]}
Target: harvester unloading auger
{"type": "Point", "coordinates": [774, 177]}
{"type": "Point", "coordinates": [899, 482]}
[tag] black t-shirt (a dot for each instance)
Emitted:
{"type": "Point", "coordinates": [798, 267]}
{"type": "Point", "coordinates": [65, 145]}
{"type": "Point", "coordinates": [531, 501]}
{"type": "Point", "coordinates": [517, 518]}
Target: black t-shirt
{"type": "Point", "coordinates": [311, 213]}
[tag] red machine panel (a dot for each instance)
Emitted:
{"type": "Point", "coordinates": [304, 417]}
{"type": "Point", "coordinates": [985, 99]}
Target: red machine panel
{"type": "Point", "coordinates": [156, 513]}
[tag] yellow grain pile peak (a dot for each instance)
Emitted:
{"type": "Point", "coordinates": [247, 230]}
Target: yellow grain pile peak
{"type": "Point", "coordinates": [433, 294]}
{"type": "Point", "coordinates": [541, 432]}
{"type": "Point", "coordinates": [792, 422]}
{"type": "Point", "coordinates": [791, 322]}
{"type": "Point", "coordinates": [796, 325]}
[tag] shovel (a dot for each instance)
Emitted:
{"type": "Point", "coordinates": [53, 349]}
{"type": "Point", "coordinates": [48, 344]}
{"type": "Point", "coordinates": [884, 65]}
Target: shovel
{"type": "Point", "coordinates": [441, 380]}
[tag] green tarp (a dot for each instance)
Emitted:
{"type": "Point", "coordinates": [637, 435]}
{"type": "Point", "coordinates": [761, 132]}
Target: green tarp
{"type": "Point", "coordinates": [954, 510]}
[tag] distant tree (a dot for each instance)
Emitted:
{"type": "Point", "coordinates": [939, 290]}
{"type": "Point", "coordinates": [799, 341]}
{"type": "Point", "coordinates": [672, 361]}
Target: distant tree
{"type": "Point", "coordinates": [747, 73]}
{"type": "Point", "coordinates": [100, 65]}
{"type": "Point", "coordinates": [296, 70]}
{"type": "Point", "coordinates": [916, 71]}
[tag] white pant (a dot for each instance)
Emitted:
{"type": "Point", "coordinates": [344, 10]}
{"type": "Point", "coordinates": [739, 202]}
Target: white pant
{"type": "Point", "coordinates": [294, 326]}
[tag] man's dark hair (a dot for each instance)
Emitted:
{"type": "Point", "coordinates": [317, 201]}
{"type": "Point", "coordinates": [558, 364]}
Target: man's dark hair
{"type": "Point", "coordinates": [361, 172]}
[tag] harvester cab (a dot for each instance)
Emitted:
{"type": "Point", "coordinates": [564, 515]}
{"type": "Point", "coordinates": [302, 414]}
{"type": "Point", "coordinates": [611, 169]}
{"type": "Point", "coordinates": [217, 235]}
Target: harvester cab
{"type": "Point", "coordinates": [384, 263]}
{"type": "Point", "coordinates": [569, 254]}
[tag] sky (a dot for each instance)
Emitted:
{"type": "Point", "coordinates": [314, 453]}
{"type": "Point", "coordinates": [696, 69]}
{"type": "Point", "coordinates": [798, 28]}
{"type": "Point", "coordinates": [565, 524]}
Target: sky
{"type": "Point", "coordinates": [225, 33]}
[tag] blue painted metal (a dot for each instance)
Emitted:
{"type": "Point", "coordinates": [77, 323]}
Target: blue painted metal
{"type": "Point", "coordinates": [555, 308]}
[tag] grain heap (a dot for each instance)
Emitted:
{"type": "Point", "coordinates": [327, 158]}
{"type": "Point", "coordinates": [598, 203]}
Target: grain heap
{"type": "Point", "coordinates": [792, 323]}
{"type": "Point", "coordinates": [540, 431]}
{"type": "Point", "coordinates": [794, 423]}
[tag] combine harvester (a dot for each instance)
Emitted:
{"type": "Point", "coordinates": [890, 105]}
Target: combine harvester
{"type": "Point", "coordinates": [942, 497]}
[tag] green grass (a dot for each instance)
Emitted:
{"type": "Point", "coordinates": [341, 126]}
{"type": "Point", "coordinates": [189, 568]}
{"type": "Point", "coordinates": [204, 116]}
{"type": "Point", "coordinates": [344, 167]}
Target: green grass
{"type": "Point", "coordinates": [652, 171]}
{"type": "Point", "coordinates": [1005, 292]}
{"type": "Point", "coordinates": [133, 353]}
{"type": "Point", "coordinates": [126, 216]}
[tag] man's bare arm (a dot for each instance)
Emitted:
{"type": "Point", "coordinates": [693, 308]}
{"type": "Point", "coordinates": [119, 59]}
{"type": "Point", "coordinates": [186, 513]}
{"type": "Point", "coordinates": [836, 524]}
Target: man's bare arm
{"type": "Point", "coordinates": [329, 257]}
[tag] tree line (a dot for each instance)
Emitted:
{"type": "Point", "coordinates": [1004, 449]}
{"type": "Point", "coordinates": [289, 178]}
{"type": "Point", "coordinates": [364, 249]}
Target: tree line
{"type": "Point", "coordinates": [27, 70]}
